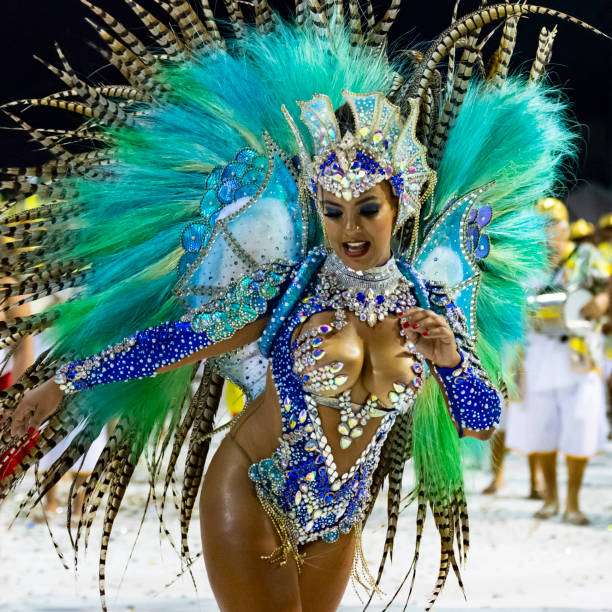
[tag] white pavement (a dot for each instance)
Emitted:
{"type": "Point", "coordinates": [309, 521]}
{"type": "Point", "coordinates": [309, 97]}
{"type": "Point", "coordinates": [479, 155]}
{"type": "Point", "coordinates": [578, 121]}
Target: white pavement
{"type": "Point", "coordinates": [515, 562]}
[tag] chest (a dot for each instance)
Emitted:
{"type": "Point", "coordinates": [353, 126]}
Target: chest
{"type": "Point", "coordinates": [369, 360]}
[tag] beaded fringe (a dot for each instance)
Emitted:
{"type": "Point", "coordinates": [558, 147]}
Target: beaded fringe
{"type": "Point", "coordinates": [360, 572]}
{"type": "Point", "coordinates": [288, 545]}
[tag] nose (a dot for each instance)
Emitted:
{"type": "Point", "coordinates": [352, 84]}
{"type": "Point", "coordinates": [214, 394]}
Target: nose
{"type": "Point", "coordinates": [351, 223]}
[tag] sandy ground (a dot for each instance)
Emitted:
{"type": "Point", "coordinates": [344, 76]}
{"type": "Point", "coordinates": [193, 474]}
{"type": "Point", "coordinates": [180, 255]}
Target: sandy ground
{"type": "Point", "coordinates": [515, 561]}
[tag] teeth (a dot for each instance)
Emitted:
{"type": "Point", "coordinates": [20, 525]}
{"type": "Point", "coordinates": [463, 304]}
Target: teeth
{"type": "Point", "coordinates": [355, 244]}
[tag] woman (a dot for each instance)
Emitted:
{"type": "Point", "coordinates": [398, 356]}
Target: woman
{"type": "Point", "coordinates": [372, 361]}
{"type": "Point", "coordinates": [353, 332]}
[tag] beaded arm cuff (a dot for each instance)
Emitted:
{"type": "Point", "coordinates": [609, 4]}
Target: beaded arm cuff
{"type": "Point", "coordinates": [138, 356]}
{"type": "Point", "coordinates": [473, 403]}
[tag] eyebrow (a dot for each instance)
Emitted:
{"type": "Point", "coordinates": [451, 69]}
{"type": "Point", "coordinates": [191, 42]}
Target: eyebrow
{"type": "Point", "coordinates": [370, 198]}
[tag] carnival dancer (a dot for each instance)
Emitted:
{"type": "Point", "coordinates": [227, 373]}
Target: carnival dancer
{"type": "Point", "coordinates": [309, 221]}
{"type": "Point", "coordinates": [564, 407]}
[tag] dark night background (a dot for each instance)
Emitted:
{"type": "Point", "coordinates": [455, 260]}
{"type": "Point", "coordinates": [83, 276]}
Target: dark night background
{"type": "Point", "coordinates": [581, 64]}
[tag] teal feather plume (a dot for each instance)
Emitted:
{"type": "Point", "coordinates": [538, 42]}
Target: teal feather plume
{"type": "Point", "coordinates": [519, 136]}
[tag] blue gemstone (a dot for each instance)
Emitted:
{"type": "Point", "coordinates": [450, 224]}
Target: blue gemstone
{"type": "Point", "coordinates": [361, 297]}
{"type": "Point", "coordinates": [380, 299]}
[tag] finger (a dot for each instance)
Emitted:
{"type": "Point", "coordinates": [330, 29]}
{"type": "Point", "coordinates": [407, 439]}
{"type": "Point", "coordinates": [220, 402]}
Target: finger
{"type": "Point", "coordinates": [423, 320]}
{"type": "Point", "coordinates": [436, 333]}
{"type": "Point", "coordinates": [414, 314]}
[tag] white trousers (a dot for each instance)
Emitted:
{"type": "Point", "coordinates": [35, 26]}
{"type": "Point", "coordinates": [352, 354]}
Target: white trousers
{"type": "Point", "coordinates": [570, 419]}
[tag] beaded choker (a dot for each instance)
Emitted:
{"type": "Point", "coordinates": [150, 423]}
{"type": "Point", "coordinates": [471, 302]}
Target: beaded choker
{"type": "Point", "coordinates": [371, 294]}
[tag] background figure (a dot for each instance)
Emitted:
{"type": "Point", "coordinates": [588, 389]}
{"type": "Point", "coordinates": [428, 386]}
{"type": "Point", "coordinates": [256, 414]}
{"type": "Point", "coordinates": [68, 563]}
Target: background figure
{"type": "Point", "coordinates": [499, 446]}
{"type": "Point", "coordinates": [604, 244]}
{"type": "Point", "coordinates": [564, 408]}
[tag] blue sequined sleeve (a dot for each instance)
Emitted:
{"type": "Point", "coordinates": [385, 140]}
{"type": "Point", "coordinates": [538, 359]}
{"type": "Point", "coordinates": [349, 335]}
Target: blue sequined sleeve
{"type": "Point", "coordinates": [138, 356]}
{"type": "Point", "coordinates": [143, 353]}
{"type": "Point", "coordinates": [473, 400]}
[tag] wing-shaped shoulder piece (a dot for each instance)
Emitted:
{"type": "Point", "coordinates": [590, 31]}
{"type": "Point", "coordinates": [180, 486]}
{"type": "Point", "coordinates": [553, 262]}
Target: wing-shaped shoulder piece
{"type": "Point", "coordinates": [251, 233]}
{"type": "Point", "coordinates": [452, 245]}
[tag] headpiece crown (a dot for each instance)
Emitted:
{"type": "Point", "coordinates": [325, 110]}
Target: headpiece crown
{"type": "Point", "coordinates": [382, 146]}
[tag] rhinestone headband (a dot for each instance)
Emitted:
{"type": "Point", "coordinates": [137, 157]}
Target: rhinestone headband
{"type": "Point", "coordinates": [382, 147]}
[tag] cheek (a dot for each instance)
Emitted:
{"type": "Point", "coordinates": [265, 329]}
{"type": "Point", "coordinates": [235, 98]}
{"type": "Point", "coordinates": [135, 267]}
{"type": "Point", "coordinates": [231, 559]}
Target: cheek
{"type": "Point", "coordinates": [331, 227]}
{"type": "Point", "coordinates": [382, 226]}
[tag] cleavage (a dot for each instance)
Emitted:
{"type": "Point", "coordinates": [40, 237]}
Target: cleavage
{"type": "Point", "coordinates": [367, 360]}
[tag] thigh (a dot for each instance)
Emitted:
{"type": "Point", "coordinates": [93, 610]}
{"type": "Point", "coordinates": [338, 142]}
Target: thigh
{"type": "Point", "coordinates": [325, 573]}
{"type": "Point", "coordinates": [236, 533]}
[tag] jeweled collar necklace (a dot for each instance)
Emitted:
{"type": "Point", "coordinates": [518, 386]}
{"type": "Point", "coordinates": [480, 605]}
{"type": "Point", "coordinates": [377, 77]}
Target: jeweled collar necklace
{"type": "Point", "coordinates": [371, 294]}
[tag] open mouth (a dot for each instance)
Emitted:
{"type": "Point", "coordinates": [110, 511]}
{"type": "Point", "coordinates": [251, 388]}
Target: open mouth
{"type": "Point", "coordinates": [356, 249]}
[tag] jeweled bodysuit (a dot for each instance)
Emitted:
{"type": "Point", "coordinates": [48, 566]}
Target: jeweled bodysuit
{"type": "Point", "coordinates": [301, 479]}
{"type": "Point", "coordinates": [299, 486]}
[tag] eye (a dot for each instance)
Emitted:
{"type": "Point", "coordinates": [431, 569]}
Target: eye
{"type": "Point", "coordinates": [333, 213]}
{"type": "Point", "coordinates": [369, 210]}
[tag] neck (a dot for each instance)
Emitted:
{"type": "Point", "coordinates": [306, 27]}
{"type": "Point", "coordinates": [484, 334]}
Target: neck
{"type": "Point", "coordinates": [387, 262]}
{"type": "Point", "coordinates": [386, 275]}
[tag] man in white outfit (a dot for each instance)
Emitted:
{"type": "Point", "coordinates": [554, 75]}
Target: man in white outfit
{"type": "Point", "coordinates": [564, 406]}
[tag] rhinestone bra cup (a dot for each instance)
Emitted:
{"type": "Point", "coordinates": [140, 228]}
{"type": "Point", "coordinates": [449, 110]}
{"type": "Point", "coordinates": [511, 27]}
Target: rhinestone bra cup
{"type": "Point", "coordinates": [299, 486]}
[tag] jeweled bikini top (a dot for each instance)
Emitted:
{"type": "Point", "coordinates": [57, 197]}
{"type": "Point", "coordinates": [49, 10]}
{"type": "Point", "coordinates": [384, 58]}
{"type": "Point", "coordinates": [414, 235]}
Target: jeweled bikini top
{"type": "Point", "coordinates": [371, 295]}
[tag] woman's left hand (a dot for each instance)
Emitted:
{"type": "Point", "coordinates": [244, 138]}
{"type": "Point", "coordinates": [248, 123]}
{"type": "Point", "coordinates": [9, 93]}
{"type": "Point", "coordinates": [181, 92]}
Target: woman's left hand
{"type": "Point", "coordinates": [431, 335]}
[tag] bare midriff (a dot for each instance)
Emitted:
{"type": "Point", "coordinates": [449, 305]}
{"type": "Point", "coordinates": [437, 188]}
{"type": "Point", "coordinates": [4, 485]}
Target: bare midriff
{"type": "Point", "coordinates": [373, 357]}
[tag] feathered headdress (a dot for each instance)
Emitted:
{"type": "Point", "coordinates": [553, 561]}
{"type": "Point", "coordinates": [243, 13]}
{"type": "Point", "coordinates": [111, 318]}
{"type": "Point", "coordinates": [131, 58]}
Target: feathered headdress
{"type": "Point", "coordinates": [381, 146]}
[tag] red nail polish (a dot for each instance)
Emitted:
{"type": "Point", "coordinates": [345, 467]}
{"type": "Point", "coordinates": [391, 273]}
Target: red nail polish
{"type": "Point", "coordinates": [415, 325]}
{"type": "Point", "coordinates": [425, 333]}
{"type": "Point", "coordinates": [405, 324]}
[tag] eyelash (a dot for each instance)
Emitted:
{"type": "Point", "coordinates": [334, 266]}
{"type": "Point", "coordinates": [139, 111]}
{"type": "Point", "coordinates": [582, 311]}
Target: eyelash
{"type": "Point", "coordinates": [333, 213]}
{"type": "Point", "coordinates": [366, 211]}
{"type": "Point", "coordinates": [369, 211]}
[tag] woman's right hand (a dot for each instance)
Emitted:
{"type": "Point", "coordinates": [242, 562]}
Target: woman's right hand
{"type": "Point", "coordinates": [36, 406]}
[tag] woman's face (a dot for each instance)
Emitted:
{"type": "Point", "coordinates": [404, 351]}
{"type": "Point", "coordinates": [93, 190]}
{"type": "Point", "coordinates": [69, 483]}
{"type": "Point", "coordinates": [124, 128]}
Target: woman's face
{"type": "Point", "coordinates": [360, 231]}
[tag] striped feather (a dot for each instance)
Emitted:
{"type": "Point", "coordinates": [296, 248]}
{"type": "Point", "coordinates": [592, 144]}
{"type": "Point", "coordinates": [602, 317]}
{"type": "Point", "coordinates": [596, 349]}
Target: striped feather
{"type": "Point", "coordinates": [264, 17]}
{"type": "Point", "coordinates": [505, 51]}
{"type": "Point", "coordinates": [192, 29]}
{"type": "Point", "coordinates": [199, 444]}
{"type": "Point", "coordinates": [543, 54]}
{"type": "Point", "coordinates": [196, 406]}
{"type": "Point", "coordinates": [131, 67]}
{"type": "Point", "coordinates": [377, 36]}
{"type": "Point", "coordinates": [128, 38]}
{"type": "Point", "coordinates": [236, 17]}
{"type": "Point", "coordinates": [475, 20]}
{"type": "Point", "coordinates": [355, 23]}
{"type": "Point", "coordinates": [319, 20]}
{"type": "Point", "coordinates": [162, 34]}
{"type": "Point", "coordinates": [300, 12]}
{"type": "Point", "coordinates": [116, 493]}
